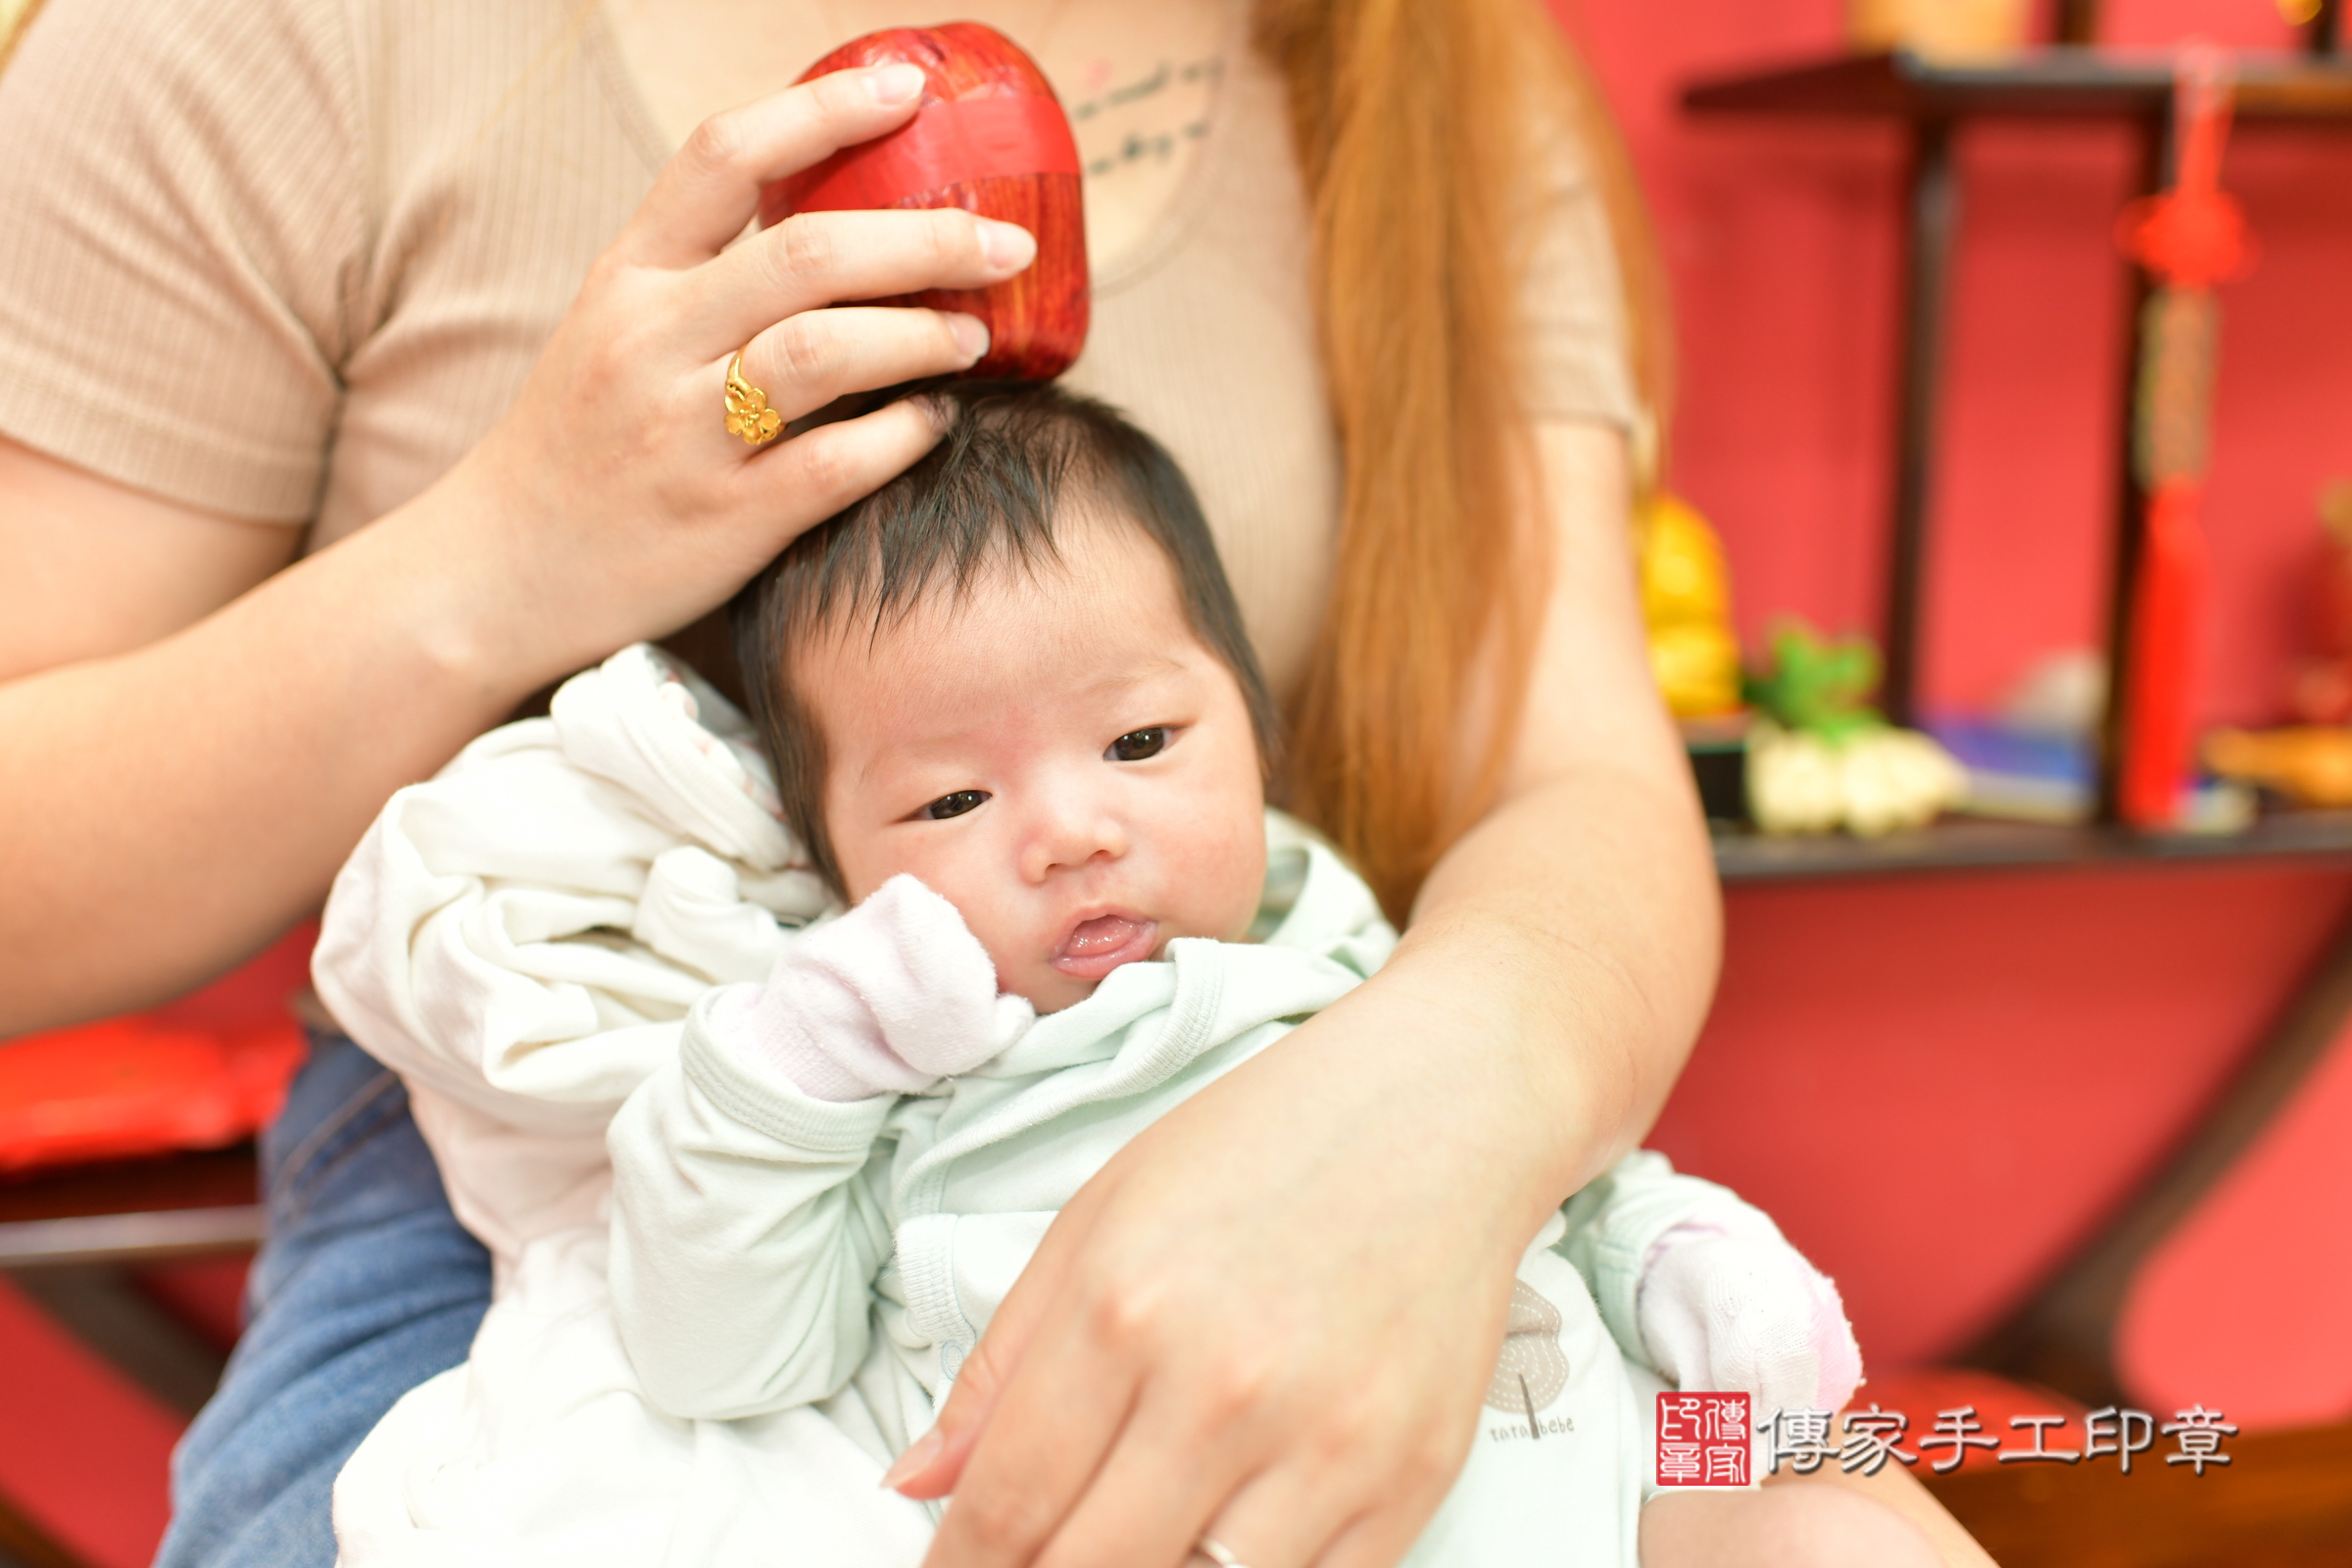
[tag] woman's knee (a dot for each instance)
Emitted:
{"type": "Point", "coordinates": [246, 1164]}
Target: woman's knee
{"type": "Point", "coordinates": [1780, 1527]}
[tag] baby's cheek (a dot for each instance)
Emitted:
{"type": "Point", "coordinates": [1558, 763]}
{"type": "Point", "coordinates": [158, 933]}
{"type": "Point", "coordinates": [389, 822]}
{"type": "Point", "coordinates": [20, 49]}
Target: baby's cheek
{"type": "Point", "coordinates": [1009, 945]}
{"type": "Point", "coordinates": [953, 877]}
{"type": "Point", "coordinates": [1239, 883]}
{"type": "Point", "coordinates": [866, 863]}
{"type": "Point", "coordinates": [937, 864]}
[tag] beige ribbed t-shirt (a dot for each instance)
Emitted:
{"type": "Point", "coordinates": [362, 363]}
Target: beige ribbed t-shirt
{"type": "Point", "coordinates": [291, 259]}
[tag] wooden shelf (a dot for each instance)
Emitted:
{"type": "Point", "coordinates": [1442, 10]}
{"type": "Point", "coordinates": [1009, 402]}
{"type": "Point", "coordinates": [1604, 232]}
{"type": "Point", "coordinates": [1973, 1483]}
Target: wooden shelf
{"type": "Point", "coordinates": [2069, 1320]}
{"type": "Point", "coordinates": [173, 1206]}
{"type": "Point", "coordinates": [1965, 844]}
{"type": "Point", "coordinates": [2047, 83]}
{"type": "Point", "coordinates": [1930, 102]}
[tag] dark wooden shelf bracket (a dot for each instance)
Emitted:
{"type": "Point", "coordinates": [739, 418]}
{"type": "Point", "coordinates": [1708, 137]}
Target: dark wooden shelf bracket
{"type": "Point", "coordinates": [2064, 1336]}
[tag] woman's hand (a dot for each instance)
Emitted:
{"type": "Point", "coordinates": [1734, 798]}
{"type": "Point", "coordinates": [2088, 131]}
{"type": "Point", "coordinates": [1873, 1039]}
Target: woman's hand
{"type": "Point", "coordinates": [1270, 1319]}
{"type": "Point", "coordinates": [612, 504]}
{"type": "Point", "coordinates": [197, 738]}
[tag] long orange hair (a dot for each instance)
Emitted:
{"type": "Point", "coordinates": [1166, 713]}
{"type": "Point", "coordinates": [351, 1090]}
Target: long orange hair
{"type": "Point", "coordinates": [1417, 124]}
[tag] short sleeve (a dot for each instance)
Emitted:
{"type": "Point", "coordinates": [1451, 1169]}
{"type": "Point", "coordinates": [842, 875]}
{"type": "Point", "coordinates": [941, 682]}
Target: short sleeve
{"type": "Point", "coordinates": [1580, 361]}
{"type": "Point", "coordinates": [182, 218]}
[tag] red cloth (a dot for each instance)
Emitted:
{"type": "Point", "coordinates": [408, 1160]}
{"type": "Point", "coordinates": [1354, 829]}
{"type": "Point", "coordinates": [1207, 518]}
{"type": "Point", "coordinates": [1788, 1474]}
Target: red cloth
{"type": "Point", "coordinates": [202, 1072]}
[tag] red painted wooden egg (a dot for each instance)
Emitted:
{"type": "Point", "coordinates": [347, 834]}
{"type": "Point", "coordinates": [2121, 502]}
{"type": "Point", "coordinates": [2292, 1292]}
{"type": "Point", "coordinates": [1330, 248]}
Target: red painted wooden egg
{"type": "Point", "coordinates": [991, 138]}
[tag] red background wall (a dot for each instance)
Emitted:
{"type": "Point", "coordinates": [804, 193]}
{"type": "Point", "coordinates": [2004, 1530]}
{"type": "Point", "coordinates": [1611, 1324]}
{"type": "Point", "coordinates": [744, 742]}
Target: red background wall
{"type": "Point", "coordinates": [1938, 1084]}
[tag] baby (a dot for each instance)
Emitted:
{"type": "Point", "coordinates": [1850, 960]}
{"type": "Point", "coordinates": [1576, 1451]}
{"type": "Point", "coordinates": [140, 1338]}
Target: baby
{"type": "Point", "coordinates": [747, 1232]}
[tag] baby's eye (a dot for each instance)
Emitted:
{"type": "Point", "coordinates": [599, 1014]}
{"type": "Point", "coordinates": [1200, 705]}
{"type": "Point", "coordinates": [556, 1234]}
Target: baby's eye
{"type": "Point", "coordinates": [1138, 744]}
{"type": "Point", "coordinates": [955, 804]}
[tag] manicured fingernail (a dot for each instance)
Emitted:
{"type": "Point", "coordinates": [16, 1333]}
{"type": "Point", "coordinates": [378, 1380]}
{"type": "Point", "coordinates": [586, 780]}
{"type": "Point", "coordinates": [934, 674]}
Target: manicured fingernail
{"type": "Point", "coordinates": [970, 336]}
{"type": "Point", "coordinates": [919, 1454]}
{"type": "Point", "coordinates": [1007, 245]}
{"type": "Point", "coordinates": [893, 85]}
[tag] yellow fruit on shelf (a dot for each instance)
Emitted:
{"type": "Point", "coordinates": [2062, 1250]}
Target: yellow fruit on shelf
{"type": "Point", "coordinates": [1683, 574]}
{"type": "Point", "coordinates": [1686, 607]}
{"type": "Point", "coordinates": [1697, 668]}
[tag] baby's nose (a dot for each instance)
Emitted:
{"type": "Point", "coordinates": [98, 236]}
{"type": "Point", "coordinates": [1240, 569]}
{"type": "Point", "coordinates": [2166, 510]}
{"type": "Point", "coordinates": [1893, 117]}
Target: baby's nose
{"type": "Point", "coordinates": [1068, 834]}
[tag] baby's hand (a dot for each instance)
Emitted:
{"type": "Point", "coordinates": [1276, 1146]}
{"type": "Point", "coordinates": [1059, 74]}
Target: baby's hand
{"type": "Point", "coordinates": [891, 998]}
{"type": "Point", "coordinates": [1746, 1313]}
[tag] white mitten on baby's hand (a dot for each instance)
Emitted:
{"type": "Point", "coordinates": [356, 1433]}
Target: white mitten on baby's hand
{"type": "Point", "coordinates": [891, 998]}
{"type": "Point", "coordinates": [1746, 1313]}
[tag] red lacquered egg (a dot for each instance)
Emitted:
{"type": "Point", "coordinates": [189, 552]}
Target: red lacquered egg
{"type": "Point", "coordinates": [991, 137]}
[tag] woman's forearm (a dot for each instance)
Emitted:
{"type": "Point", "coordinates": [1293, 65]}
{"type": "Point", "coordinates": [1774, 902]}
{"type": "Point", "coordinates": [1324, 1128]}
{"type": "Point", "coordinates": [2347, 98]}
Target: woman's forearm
{"type": "Point", "coordinates": [167, 811]}
{"type": "Point", "coordinates": [1579, 922]}
{"type": "Point", "coordinates": [1583, 915]}
{"type": "Point", "coordinates": [1556, 971]}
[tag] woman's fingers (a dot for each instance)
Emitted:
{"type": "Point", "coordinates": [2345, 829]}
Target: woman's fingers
{"type": "Point", "coordinates": [1197, 1457]}
{"type": "Point", "coordinates": [1163, 1483]}
{"type": "Point", "coordinates": [1013, 1494]}
{"type": "Point", "coordinates": [804, 480]}
{"type": "Point", "coordinates": [933, 1464]}
{"type": "Point", "coordinates": [817, 259]}
{"type": "Point", "coordinates": [1223, 1457]}
{"type": "Point", "coordinates": [709, 191]}
{"type": "Point", "coordinates": [972, 1400]}
{"type": "Point", "coordinates": [1378, 1538]}
{"type": "Point", "coordinates": [805, 362]}
{"type": "Point", "coordinates": [1289, 1515]}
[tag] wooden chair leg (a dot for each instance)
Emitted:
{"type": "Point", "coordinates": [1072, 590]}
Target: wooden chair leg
{"type": "Point", "coordinates": [2064, 1336]}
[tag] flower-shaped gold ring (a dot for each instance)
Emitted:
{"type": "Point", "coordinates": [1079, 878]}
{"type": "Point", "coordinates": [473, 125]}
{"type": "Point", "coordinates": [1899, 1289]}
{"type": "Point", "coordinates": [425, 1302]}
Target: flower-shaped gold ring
{"type": "Point", "coordinates": [748, 413]}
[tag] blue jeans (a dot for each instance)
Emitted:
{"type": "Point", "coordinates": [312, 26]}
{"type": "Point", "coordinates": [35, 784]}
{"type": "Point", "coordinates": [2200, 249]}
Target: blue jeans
{"type": "Point", "coordinates": [367, 1287]}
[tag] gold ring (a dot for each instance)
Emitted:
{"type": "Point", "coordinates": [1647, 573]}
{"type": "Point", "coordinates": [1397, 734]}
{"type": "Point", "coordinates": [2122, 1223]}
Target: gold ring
{"type": "Point", "coordinates": [1217, 1551]}
{"type": "Point", "coordinates": [748, 413]}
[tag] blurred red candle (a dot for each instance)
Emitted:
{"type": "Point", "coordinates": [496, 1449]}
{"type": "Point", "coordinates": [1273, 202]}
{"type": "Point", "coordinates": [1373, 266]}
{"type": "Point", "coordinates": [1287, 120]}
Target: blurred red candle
{"type": "Point", "coordinates": [991, 138]}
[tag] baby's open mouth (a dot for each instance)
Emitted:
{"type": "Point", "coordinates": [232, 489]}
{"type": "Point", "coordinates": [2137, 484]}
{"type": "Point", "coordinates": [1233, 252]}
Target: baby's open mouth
{"type": "Point", "coordinates": [1096, 946]}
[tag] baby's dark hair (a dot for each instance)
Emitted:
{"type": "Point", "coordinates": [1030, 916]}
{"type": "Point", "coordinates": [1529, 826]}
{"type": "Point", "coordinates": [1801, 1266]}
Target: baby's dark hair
{"type": "Point", "coordinates": [986, 496]}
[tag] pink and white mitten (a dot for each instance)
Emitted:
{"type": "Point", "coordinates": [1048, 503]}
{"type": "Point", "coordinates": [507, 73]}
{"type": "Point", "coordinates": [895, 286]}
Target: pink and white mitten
{"type": "Point", "coordinates": [1743, 1312]}
{"type": "Point", "coordinates": [888, 998]}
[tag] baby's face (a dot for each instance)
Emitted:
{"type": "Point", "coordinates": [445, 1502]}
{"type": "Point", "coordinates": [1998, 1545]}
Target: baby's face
{"type": "Point", "coordinates": [1057, 755]}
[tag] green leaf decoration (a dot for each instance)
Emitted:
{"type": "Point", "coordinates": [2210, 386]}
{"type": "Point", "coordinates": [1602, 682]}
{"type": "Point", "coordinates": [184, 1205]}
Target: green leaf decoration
{"type": "Point", "coordinates": [1817, 685]}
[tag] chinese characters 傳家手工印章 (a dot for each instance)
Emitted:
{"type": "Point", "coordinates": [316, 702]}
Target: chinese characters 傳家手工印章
{"type": "Point", "coordinates": [1803, 1440]}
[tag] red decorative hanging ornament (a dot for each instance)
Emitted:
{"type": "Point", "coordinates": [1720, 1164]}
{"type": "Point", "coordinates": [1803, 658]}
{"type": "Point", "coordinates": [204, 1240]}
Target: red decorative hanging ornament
{"type": "Point", "coordinates": [992, 138]}
{"type": "Point", "coordinates": [2195, 235]}
{"type": "Point", "coordinates": [2188, 238]}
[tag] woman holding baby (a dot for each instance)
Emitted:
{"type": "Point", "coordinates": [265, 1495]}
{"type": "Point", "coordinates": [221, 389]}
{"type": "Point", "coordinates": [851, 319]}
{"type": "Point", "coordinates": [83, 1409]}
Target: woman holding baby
{"type": "Point", "coordinates": [471, 277]}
